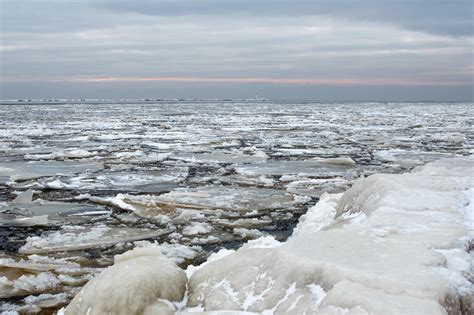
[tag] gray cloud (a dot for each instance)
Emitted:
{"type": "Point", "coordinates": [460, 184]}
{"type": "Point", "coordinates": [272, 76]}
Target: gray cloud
{"type": "Point", "coordinates": [447, 17]}
{"type": "Point", "coordinates": [386, 40]}
{"type": "Point", "coordinates": [450, 17]}
{"type": "Point", "coordinates": [283, 47]}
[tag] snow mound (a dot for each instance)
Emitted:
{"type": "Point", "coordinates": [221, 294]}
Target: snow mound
{"type": "Point", "coordinates": [141, 281]}
{"type": "Point", "coordinates": [392, 244]}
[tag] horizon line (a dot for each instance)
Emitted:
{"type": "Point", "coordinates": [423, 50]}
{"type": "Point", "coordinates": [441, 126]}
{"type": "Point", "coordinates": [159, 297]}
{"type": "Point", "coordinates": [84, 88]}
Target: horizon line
{"type": "Point", "coordinates": [259, 99]}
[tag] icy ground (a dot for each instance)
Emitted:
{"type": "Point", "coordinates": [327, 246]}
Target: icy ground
{"type": "Point", "coordinates": [80, 183]}
{"type": "Point", "coordinates": [391, 244]}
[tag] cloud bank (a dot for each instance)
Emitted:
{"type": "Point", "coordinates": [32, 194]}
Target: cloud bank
{"type": "Point", "coordinates": [246, 45]}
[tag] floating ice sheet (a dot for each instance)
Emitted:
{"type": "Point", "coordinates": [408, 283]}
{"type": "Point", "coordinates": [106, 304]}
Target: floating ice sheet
{"type": "Point", "coordinates": [313, 168]}
{"type": "Point", "coordinates": [19, 170]}
{"type": "Point", "coordinates": [42, 207]}
{"type": "Point", "coordinates": [74, 238]}
{"type": "Point", "coordinates": [232, 198]}
{"type": "Point", "coordinates": [149, 181]}
{"type": "Point", "coordinates": [224, 158]}
{"type": "Point", "coordinates": [23, 211]}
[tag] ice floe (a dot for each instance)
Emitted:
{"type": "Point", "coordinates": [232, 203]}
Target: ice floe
{"type": "Point", "coordinates": [314, 168]}
{"type": "Point", "coordinates": [30, 170]}
{"type": "Point", "coordinates": [75, 238]}
{"type": "Point", "coordinates": [232, 198]}
{"type": "Point", "coordinates": [23, 211]}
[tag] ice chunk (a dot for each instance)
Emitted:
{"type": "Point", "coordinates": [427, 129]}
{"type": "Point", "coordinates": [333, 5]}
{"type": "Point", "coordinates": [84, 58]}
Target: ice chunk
{"type": "Point", "coordinates": [36, 263]}
{"type": "Point", "coordinates": [72, 238]}
{"type": "Point", "coordinates": [232, 198]}
{"type": "Point", "coordinates": [24, 198]}
{"type": "Point", "coordinates": [19, 170]}
{"type": "Point", "coordinates": [236, 179]}
{"type": "Point", "coordinates": [7, 219]}
{"type": "Point", "coordinates": [44, 207]}
{"type": "Point", "coordinates": [133, 285]}
{"type": "Point", "coordinates": [248, 233]}
{"type": "Point", "coordinates": [179, 253]}
{"type": "Point", "coordinates": [197, 228]}
{"type": "Point", "coordinates": [121, 201]}
{"type": "Point", "coordinates": [314, 168]}
{"type": "Point", "coordinates": [24, 212]}
{"type": "Point", "coordinates": [263, 242]}
{"type": "Point", "coordinates": [46, 300]}
{"type": "Point", "coordinates": [62, 154]}
{"type": "Point", "coordinates": [28, 284]}
{"type": "Point", "coordinates": [230, 158]}
{"type": "Point", "coordinates": [151, 181]}
{"type": "Point", "coordinates": [337, 161]}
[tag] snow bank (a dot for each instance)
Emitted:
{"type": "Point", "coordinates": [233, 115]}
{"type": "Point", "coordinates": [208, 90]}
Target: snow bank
{"type": "Point", "coordinates": [141, 281]}
{"type": "Point", "coordinates": [392, 244]}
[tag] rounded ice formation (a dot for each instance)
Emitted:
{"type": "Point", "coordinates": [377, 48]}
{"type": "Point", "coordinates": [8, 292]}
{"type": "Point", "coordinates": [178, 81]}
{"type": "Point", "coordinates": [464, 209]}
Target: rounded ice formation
{"type": "Point", "coordinates": [391, 244]}
{"type": "Point", "coordinates": [140, 281]}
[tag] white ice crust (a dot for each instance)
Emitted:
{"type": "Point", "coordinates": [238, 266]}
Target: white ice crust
{"type": "Point", "coordinates": [392, 244]}
{"type": "Point", "coordinates": [141, 281]}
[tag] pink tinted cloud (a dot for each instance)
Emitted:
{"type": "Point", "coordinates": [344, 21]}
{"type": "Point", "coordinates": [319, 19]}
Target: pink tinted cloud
{"type": "Point", "coordinates": [291, 81]}
{"type": "Point", "coordinates": [230, 80]}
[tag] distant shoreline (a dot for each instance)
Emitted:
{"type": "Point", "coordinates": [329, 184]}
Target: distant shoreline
{"type": "Point", "coordinates": [177, 101]}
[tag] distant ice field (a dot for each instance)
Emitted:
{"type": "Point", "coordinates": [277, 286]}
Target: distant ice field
{"type": "Point", "coordinates": [82, 181]}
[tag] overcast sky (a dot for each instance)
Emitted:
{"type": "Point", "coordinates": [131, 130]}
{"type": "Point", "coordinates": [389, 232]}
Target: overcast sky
{"type": "Point", "coordinates": [280, 49]}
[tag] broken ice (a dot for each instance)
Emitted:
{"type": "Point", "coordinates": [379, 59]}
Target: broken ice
{"type": "Point", "coordinates": [81, 182]}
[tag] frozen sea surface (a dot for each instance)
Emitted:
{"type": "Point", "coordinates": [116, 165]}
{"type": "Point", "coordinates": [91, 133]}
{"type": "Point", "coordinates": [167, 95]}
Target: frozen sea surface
{"type": "Point", "coordinates": [391, 244]}
{"type": "Point", "coordinates": [81, 182]}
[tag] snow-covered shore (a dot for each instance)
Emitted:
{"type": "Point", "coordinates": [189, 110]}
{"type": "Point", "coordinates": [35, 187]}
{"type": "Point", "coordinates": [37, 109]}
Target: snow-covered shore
{"type": "Point", "coordinates": [391, 244]}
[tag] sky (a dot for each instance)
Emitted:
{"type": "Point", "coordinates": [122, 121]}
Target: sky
{"type": "Point", "coordinates": [393, 50]}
